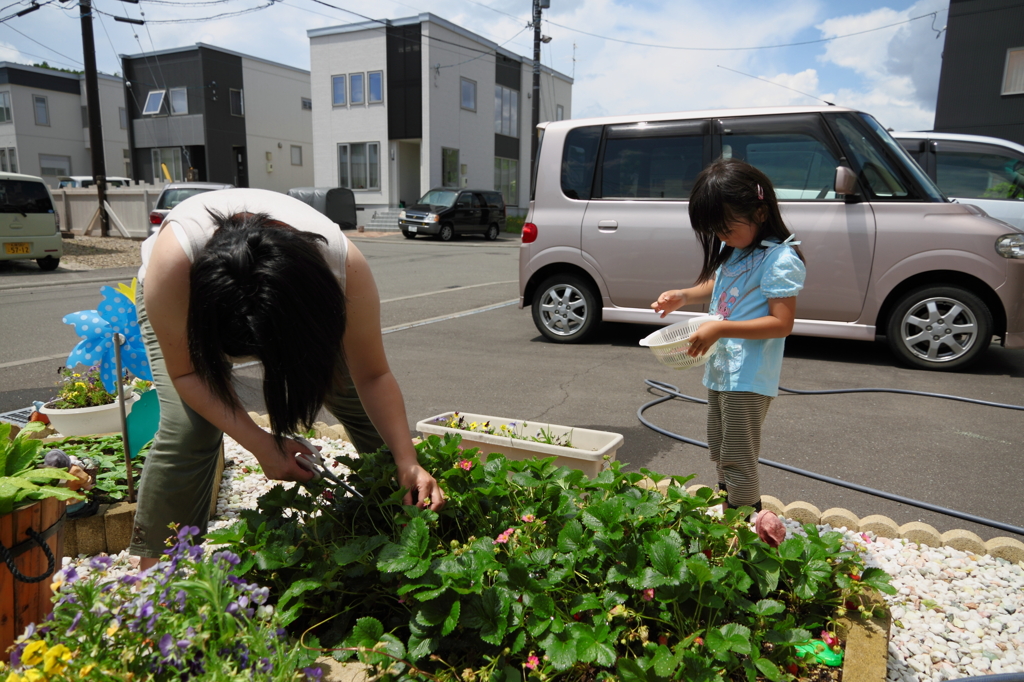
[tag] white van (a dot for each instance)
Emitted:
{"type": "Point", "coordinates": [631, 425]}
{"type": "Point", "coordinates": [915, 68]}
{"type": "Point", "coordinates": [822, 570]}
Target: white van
{"type": "Point", "coordinates": [887, 253]}
{"type": "Point", "coordinates": [78, 181]}
{"type": "Point", "coordinates": [974, 169]}
{"type": "Point", "coordinates": [29, 227]}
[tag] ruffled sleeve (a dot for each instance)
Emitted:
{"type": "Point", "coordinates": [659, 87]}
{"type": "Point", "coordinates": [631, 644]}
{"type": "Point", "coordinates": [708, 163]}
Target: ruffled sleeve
{"type": "Point", "coordinates": [784, 274]}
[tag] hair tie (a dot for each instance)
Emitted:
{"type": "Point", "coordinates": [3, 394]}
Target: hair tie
{"type": "Point", "coordinates": [760, 193]}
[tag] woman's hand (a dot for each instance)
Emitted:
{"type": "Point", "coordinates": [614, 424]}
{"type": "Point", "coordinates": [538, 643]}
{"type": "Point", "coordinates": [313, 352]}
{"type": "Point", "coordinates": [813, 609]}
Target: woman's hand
{"type": "Point", "coordinates": [669, 301]}
{"type": "Point", "coordinates": [416, 479]}
{"type": "Point", "coordinates": [279, 463]}
{"type": "Point", "coordinates": [705, 337]}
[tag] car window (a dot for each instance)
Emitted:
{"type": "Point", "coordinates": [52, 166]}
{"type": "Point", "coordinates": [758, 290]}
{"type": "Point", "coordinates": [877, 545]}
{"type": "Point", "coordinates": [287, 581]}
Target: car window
{"type": "Point", "coordinates": [875, 169]}
{"type": "Point", "coordinates": [917, 149]}
{"type": "Point", "coordinates": [465, 200]}
{"type": "Point", "coordinates": [20, 196]}
{"type": "Point", "coordinates": [793, 151]}
{"type": "Point", "coordinates": [977, 171]}
{"type": "Point", "coordinates": [172, 197]}
{"type": "Point", "coordinates": [438, 197]}
{"type": "Point", "coordinates": [659, 161]}
{"type": "Point", "coordinates": [477, 202]}
{"type": "Point", "coordinates": [579, 155]}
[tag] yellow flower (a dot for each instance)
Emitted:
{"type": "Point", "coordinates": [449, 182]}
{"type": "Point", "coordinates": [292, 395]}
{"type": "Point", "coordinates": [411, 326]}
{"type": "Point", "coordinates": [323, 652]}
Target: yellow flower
{"type": "Point", "coordinates": [56, 585]}
{"type": "Point", "coordinates": [33, 653]}
{"type": "Point", "coordinates": [112, 629]}
{"type": "Point", "coordinates": [33, 675]}
{"type": "Point", "coordinates": [14, 677]}
{"type": "Point", "coordinates": [53, 659]}
{"type": "Point", "coordinates": [86, 670]}
{"type": "Point", "coordinates": [80, 383]}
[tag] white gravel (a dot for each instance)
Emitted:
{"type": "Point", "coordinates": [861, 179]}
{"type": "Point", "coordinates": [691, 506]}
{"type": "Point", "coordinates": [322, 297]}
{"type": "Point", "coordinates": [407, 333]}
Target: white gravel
{"type": "Point", "coordinates": [955, 614]}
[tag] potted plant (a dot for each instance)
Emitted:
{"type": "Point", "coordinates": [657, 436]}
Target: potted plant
{"type": "Point", "coordinates": [31, 533]}
{"type": "Point", "coordinates": [588, 450]}
{"type": "Point", "coordinates": [84, 406]}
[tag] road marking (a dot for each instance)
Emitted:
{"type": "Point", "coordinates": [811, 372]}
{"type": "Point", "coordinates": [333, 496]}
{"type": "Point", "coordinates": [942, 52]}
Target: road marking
{"type": "Point", "coordinates": [445, 291]}
{"type": "Point", "coordinates": [48, 358]}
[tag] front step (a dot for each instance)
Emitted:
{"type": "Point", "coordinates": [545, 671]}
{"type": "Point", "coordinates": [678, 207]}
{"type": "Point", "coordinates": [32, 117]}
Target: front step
{"type": "Point", "coordinates": [386, 219]}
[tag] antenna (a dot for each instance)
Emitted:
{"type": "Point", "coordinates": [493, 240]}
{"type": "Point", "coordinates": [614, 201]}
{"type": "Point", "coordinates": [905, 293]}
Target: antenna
{"type": "Point", "coordinates": [831, 104]}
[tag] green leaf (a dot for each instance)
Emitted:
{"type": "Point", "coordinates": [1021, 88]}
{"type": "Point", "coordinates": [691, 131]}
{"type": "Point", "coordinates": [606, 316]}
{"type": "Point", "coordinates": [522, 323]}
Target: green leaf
{"type": "Point", "coordinates": [297, 588]}
{"type": "Point", "coordinates": [488, 613]}
{"type": "Point", "coordinates": [792, 548]}
{"type": "Point", "coordinates": [44, 476]}
{"type": "Point", "coordinates": [409, 556]}
{"type": "Point", "coordinates": [664, 662]}
{"type": "Point", "coordinates": [630, 671]}
{"type": "Point", "coordinates": [366, 632]}
{"type": "Point", "coordinates": [358, 549]}
{"type": "Point", "coordinates": [768, 607]}
{"type": "Point", "coordinates": [768, 669]}
{"type": "Point", "coordinates": [561, 649]}
{"type": "Point", "coordinates": [878, 579]}
{"type": "Point", "coordinates": [232, 534]}
{"type": "Point", "coordinates": [452, 620]}
{"type": "Point", "coordinates": [731, 637]}
{"type": "Point", "coordinates": [571, 538]}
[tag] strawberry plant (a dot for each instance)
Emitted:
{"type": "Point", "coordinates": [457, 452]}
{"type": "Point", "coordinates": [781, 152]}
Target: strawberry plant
{"type": "Point", "coordinates": [536, 569]}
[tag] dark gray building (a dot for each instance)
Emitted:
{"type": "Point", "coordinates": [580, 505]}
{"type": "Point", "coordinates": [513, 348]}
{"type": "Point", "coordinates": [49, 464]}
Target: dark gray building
{"type": "Point", "coordinates": [981, 86]}
{"type": "Point", "coordinates": [208, 114]}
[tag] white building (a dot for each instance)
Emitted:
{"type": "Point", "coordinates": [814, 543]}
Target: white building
{"type": "Point", "coordinates": [404, 105]}
{"type": "Point", "coordinates": [44, 127]}
{"type": "Point", "coordinates": [209, 114]}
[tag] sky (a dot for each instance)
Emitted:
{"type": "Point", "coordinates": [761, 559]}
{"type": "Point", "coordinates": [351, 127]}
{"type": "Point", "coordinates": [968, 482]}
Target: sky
{"type": "Point", "coordinates": [626, 57]}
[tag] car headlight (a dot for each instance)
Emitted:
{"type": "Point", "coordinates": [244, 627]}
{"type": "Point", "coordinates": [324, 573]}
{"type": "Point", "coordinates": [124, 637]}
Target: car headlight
{"type": "Point", "coordinates": [401, 215]}
{"type": "Point", "coordinates": [1011, 245]}
{"type": "Point", "coordinates": [433, 217]}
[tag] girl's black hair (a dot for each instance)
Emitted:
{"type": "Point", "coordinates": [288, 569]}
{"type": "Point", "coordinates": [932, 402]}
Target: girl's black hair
{"type": "Point", "coordinates": [260, 287]}
{"type": "Point", "coordinates": [724, 191]}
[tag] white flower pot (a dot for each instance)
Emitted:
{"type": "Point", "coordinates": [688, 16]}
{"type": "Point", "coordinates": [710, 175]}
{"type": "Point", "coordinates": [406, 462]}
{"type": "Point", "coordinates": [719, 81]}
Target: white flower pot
{"type": "Point", "coordinates": [88, 421]}
{"type": "Point", "coordinates": [591, 451]}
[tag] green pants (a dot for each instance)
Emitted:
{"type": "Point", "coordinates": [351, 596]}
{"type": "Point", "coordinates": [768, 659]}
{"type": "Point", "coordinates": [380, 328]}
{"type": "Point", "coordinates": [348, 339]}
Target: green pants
{"type": "Point", "coordinates": [178, 476]}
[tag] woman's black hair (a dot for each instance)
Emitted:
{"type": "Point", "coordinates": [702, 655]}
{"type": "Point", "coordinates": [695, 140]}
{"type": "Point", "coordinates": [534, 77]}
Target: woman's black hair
{"type": "Point", "coordinates": [262, 288]}
{"type": "Point", "coordinates": [724, 191]}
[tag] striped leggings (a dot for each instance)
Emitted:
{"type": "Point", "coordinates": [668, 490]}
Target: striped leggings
{"type": "Point", "coordinates": [734, 440]}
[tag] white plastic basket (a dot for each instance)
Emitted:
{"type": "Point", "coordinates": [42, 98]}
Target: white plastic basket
{"type": "Point", "coordinates": [670, 344]}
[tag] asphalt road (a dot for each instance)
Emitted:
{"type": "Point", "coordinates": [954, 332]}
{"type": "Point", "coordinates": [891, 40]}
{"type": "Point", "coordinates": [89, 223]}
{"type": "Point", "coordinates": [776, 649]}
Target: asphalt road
{"type": "Point", "coordinates": [455, 342]}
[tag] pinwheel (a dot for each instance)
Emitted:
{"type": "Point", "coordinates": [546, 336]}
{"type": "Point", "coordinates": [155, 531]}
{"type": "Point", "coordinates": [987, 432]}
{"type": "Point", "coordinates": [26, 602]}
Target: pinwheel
{"type": "Point", "coordinates": [115, 315]}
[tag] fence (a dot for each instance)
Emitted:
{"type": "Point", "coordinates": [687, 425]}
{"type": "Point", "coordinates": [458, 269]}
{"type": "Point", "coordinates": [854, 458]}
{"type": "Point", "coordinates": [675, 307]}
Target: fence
{"type": "Point", "coordinates": [130, 206]}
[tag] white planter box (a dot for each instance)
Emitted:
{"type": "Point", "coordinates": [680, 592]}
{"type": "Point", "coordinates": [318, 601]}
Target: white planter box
{"type": "Point", "coordinates": [587, 454]}
{"type": "Point", "coordinates": [88, 421]}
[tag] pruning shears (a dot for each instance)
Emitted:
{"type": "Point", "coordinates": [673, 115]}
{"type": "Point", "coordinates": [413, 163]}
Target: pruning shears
{"type": "Point", "coordinates": [315, 462]}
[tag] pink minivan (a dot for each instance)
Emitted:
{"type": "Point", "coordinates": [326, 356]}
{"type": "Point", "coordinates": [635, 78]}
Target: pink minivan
{"type": "Point", "coordinates": [887, 254]}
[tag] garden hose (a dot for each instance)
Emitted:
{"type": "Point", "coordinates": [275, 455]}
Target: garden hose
{"type": "Point", "coordinates": [673, 392]}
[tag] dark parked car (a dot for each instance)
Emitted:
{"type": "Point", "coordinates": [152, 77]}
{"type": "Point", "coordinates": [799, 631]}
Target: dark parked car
{"type": "Point", "coordinates": [446, 213]}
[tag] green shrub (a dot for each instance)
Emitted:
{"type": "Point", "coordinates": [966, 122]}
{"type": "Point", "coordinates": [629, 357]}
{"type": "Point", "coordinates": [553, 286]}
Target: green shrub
{"type": "Point", "coordinates": [538, 569]}
{"type": "Point", "coordinates": [514, 224]}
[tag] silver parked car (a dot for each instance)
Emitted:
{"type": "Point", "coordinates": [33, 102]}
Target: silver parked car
{"type": "Point", "coordinates": [887, 253]}
{"type": "Point", "coordinates": [974, 169]}
{"type": "Point", "coordinates": [176, 192]}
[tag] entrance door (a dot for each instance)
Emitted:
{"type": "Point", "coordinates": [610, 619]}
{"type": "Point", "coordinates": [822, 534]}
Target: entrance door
{"type": "Point", "coordinates": [241, 167]}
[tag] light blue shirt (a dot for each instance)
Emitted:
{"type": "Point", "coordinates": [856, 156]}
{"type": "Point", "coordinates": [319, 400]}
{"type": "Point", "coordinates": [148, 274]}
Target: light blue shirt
{"type": "Point", "coordinates": [743, 285]}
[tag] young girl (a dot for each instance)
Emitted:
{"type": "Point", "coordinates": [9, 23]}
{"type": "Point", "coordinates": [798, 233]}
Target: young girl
{"type": "Point", "coordinates": [751, 275]}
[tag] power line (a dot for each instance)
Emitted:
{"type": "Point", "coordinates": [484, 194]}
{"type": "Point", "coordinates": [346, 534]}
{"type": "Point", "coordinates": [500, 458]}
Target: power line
{"type": "Point", "coordinates": [47, 47]}
{"type": "Point", "coordinates": [199, 19]}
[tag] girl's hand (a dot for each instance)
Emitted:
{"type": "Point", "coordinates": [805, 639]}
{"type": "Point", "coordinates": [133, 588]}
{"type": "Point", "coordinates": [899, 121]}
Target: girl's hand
{"type": "Point", "coordinates": [669, 301]}
{"type": "Point", "coordinates": [705, 337]}
{"type": "Point", "coordinates": [279, 464]}
{"type": "Point", "coordinates": [428, 492]}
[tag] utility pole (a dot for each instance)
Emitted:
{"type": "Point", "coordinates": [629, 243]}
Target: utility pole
{"type": "Point", "coordinates": [92, 101]}
{"type": "Point", "coordinates": [537, 5]}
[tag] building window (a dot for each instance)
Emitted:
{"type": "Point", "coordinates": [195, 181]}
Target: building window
{"type": "Point", "coordinates": [449, 167]}
{"type": "Point", "coordinates": [307, 104]}
{"type": "Point", "coordinates": [375, 80]}
{"type": "Point", "coordinates": [559, 112]}
{"type": "Point", "coordinates": [127, 162]}
{"type": "Point", "coordinates": [154, 101]}
{"type": "Point", "coordinates": [167, 164]}
{"type": "Point", "coordinates": [359, 165]}
{"type": "Point", "coordinates": [42, 109]}
{"type": "Point", "coordinates": [1013, 72]}
{"type": "Point", "coordinates": [8, 160]}
{"type": "Point", "coordinates": [506, 111]}
{"type": "Point", "coordinates": [338, 90]}
{"type": "Point", "coordinates": [5, 107]}
{"type": "Point", "coordinates": [296, 155]}
{"type": "Point", "coordinates": [50, 164]}
{"type": "Point", "coordinates": [506, 176]}
{"type": "Point", "coordinates": [237, 103]}
{"type": "Point", "coordinates": [122, 115]}
{"type": "Point", "coordinates": [356, 88]}
{"type": "Point", "coordinates": [179, 101]}
{"type": "Point", "coordinates": [468, 94]}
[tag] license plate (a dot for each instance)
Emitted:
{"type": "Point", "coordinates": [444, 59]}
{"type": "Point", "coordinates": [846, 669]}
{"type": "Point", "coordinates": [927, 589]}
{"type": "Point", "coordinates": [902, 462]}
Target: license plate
{"type": "Point", "coordinates": [17, 248]}
{"type": "Point", "coordinates": [412, 228]}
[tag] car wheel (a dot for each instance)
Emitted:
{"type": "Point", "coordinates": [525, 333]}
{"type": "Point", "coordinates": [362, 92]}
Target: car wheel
{"type": "Point", "coordinates": [492, 232]}
{"type": "Point", "coordinates": [940, 328]}
{"type": "Point", "coordinates": [408, 235]}
{"type": "Point", "coordinates": [48, 263]}
{"type": "Point", "coordinates": [446, 233]}
{"type": "Point", "coordinates": [566, 309]}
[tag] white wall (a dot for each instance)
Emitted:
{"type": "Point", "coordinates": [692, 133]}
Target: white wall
{"type": "Point", "coordinates": [554, 90]}
{"type": "Point", "coordinates": [334, 55]}
{"type": "Point", "coordinates": [115, 138]}
{"type": "Point", "coordinates": [274, 122]}
{"type": "Point", "coordinates": [446, 123]}
{"type": "Point", "coordinates": [63, 137]}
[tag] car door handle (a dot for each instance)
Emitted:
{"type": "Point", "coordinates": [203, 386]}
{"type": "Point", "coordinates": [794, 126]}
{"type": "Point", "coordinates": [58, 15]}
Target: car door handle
{"type": "Point", "coordinates": [607, 224]}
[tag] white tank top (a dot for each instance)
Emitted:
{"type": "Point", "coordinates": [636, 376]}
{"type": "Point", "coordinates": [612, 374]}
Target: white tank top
{"type": "Point", "coordinates": [193, 226]}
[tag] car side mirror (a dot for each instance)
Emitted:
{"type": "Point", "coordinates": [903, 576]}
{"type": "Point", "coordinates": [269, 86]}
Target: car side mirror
{"type": "Point", "coordinates": [846, 181]}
